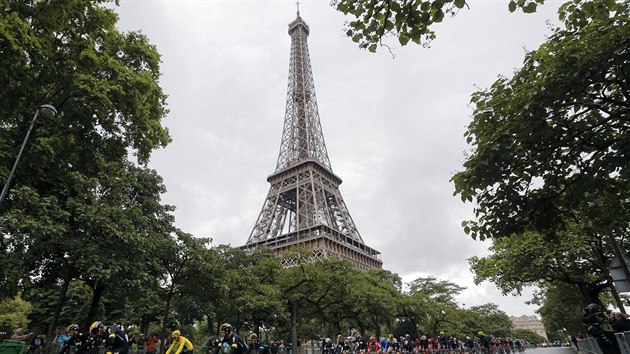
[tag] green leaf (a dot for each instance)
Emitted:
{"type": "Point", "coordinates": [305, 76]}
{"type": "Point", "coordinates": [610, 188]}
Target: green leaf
{"type": "Point", "coordinates": [403, 39]}
{"type": "Point", "coordinates": [530, 8]}
{"type": "Point", "coordinates": [512, 6]}
{"type": "Point", "coordinates": [372, 47]}
{"type": "Point", "coordinates": [438, 16]}
{"type": "Point", "coordinates": [460, 3]}
{"type": "Point", "coordinates": [357, 37]}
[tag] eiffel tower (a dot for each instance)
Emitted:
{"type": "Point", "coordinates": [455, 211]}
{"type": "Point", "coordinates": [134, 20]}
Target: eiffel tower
{"type": "Point", "coordinates": [304, 205]}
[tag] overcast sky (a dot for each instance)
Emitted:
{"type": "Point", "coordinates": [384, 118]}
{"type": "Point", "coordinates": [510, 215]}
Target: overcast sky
{"type": "Point", "coordinates": [393, 126]}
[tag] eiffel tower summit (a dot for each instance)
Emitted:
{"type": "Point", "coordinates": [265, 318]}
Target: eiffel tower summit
{"type": "Point", "coordinates": [304, 206]}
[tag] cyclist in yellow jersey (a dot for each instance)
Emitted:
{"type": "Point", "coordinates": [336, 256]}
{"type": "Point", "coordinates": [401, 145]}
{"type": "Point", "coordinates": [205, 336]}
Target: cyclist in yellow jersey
{"type": "Point", "coordinates": [184, 346]}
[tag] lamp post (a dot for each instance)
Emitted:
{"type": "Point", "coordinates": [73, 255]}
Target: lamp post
{"type": "Point", "coordinates": [47, 111]}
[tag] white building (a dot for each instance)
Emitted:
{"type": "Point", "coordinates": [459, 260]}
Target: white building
{"type": "Point", "coordinates": [530, 323]}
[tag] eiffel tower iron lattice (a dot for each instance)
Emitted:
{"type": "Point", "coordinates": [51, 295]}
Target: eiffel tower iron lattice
{"type": "Point", "coordinates": [304, 205]}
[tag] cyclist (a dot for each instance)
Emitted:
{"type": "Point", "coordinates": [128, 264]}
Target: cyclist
{"type": "Point", "coordinates": [361, 344]}
{"type": "Point", "coordinates": [484, 342]}
{"type": "Point", "coordinates": [114, 338]}
{"type": "Point", "coordinates": [78, 342]}
{"type": "Point", "coordinates": [469, 343]}
{"type": "Point", "coordinates": [253, 343]}
{"type": "Point", "coordinates": [338, 345]}
{"type": "Point", "coordinates": [230, 343]}
{"type": "Point", "coordinates": [184, 346]}
{"type": "Point", "coordinates": [373, 346]}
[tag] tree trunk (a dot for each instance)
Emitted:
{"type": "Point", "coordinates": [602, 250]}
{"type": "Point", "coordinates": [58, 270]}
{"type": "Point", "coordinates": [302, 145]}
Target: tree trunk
{"type": "Point", "coordinates": [294, 334]}
{"type": "Point", "coordinates": [415, 326]}
{"type": "Point", "coordinates": [97, 294]}
{"type": "Point", "coordinates": [211, 330]}
{"type": "Point", "coordinates": [60, 302]}
{"type": "Point", "coordinates": [378, 328]}
{"type": "Point", "coordinates": [361, 328]}
{"type": "Point", "coordinates": [167, 309]}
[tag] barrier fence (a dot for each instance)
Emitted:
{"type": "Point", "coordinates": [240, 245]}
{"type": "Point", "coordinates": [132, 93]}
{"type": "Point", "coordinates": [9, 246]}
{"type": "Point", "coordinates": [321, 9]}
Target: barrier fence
{"type": "Point", "coordinates": [589, 345]}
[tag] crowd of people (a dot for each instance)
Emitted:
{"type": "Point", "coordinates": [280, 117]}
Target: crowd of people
{"type": "Point", "coordinates": [111, 339]}
{"type": "Point", "coordinates": [442, 344]}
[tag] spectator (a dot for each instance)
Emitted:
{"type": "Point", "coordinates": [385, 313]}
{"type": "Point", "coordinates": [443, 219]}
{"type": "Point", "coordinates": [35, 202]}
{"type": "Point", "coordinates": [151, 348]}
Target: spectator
{"type": "Point", "coordinates": [620, 322]}
{"type": "Point", "coordinates": [20, 335]}
{"type": "Point", "coordinates": [574, 342]}
{"type": "Point", "coordinates": [599, 327]}
{"type": "Point", "coordinates": [36, 344]}
{"type": "Point", "coordinates": [150, 342]}
{"type": "Point", "coordinates": [61, 337]}
{"type": "Point", "coordinates": [132, 341]}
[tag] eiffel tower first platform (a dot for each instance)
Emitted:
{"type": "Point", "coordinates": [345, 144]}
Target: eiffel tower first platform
{"type": "Point", "coordinates": [304, 206]}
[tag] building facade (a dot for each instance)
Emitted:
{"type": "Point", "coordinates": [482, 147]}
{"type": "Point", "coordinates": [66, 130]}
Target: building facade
{"type": "Point", "coordinates": [530, 323]}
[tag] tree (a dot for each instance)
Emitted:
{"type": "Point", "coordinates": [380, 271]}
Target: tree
{"type": "Point", "coordinates": [561, 310]}
{"type": "Point", "coordinates": [550, 152]}
{"type": "Point", "coordinates": [75, 185]}
{"type": "Point", "coordinates": [327, 297]}
{"type": "Point", "coordinates": [491, 320]}
{"type": "Point", "coordinates": [250, 294]}
{"type": "Point", "coordinates": [532, 259]}
{"type": "Point", "coordinates": [429, 304]}
{"type": "Point", "coordinates": [14, 313]}
{"type": "Point", "coordinates": [191, 278]}
{"type": "Point", "coordinates": [549, 144]}
{"type": "Point", "coordinates": [374, 299]}
{"type": "Point", "coordinates": [414, 20]}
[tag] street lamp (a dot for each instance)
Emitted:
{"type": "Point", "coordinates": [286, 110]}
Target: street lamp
{"type": "Point", "coordinates": [47, 111]}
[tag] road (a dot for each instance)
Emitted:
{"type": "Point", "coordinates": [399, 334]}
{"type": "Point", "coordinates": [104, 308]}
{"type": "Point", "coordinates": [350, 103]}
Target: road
{"type": "Point", "coordinates": [552, 350]}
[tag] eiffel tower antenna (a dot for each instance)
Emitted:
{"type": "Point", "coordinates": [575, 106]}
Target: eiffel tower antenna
{"type": "Point", "coordinates": [304, 205]}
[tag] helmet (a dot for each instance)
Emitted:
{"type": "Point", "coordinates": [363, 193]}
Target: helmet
{"type": "Point", "coordinates": [226, 327]}
{"type": "Point", "coordinates": [95, 327]}
{"type": "Point", "coordinates": [592, 308]}
{"type": "Point", "coordinates": [441, 333]}
{"type": "Point", "coordinates": [328, 340]}
{"type": "Point", "coordinates": [480, 333]}
{"type": "Point", "coordinates": [176, 334]}
{"type": "Point", "coordinates": [252, 336]}
{"type": "Point", "coordinates": [73, 327]}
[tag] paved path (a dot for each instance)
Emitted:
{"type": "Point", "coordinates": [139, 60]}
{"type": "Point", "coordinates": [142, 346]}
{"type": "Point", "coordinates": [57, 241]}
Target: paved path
{"type": "Point", "coordinates": [553, 350]}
